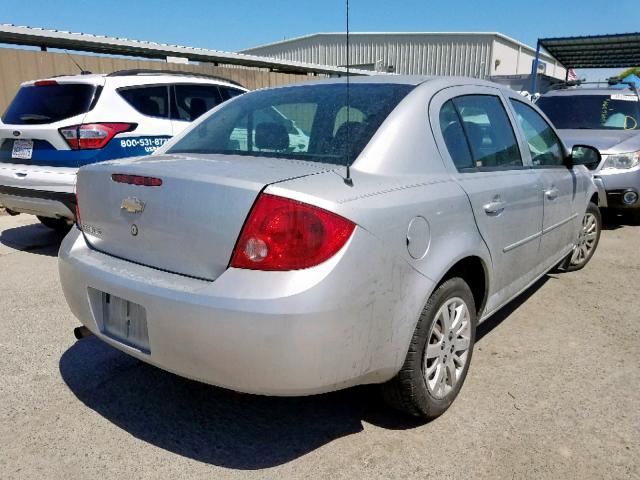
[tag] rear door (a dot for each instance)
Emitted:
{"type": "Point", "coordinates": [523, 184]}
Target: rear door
{"type": "Point", "coordinates": [559, 183]}
{"type": "Point", "coordinates": [475, 132]}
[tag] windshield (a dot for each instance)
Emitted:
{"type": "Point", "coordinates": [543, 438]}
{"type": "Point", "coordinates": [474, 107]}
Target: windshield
{"type": "Point", "coordinates": [50, 103]}
{"type": "Point", "coordinates": [303, 122]}
{"type": "Point", "coordinates": [593, 112]}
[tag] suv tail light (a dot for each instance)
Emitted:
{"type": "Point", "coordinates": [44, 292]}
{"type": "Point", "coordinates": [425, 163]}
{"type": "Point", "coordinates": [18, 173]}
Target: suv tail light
{"type": "Point", "coordinates": [90, 136]}
{"type": "Point", "coordinates": [284, 234]}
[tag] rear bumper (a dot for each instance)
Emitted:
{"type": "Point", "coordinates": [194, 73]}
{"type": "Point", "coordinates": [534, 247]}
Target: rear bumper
{"type": "Point", "coordinates": [346, 322]}
{"type": "Point", "coordinates": [38, 202]}
{"type": "Point", "coordinates": [38, 190]}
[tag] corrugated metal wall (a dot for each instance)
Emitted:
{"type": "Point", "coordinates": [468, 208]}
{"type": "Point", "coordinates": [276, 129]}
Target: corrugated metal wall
{"type": "Point", "coordinates": [410, 54]}
{"type": "Point", "coordinates": [17, 66]}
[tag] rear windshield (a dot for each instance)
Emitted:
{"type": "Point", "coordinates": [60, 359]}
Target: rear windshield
{"type": "Point", "coordinates": [593, 112]}
{"type": "Point", "coordinates": [305, 122]}
{"type": "Point", "coordinates": [50, 103]}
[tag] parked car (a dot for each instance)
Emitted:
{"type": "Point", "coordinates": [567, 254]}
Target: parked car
{"type": "Point", "coordinates": [416, 211]}
{"type": "Point", "coordinates": [55, 125]}
{"type": "Point", "coordinates": [607, 118]}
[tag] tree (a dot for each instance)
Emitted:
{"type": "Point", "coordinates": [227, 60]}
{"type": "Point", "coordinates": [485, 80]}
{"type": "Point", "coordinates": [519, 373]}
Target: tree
{"type": "Point", "coordinates": [628, 72]}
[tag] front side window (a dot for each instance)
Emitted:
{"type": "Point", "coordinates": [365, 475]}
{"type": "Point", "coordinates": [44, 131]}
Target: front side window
{"type": "Point", "coordinates": [191, 101]}
{"type": "Point", "coordinates": [152, 101]}
{"type": "Point", "coordinates": [309, 122]}
{"type": "Point", "coordinates": [618, 111]}
{"type": "Point", "coordinates": [488, 131]}
{"type": "Point", "coordinates": [544, 145]}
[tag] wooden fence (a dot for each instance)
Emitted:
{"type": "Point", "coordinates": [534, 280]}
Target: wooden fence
{"type": "Point", "coordinates": [19, 65]}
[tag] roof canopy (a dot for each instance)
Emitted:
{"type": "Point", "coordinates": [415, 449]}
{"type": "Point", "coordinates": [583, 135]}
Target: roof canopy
{"type": "Point", "coordinates": [43, 38]}
{"type": "Point", "coordinates": [598, 51]}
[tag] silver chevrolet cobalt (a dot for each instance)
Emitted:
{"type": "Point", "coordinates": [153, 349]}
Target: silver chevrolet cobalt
{"type": "Point", "coordinates": [414, 209]}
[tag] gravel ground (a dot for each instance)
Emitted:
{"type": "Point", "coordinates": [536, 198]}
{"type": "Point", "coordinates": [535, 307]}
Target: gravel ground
{"type": "Point", "coordinates": [553, 393]}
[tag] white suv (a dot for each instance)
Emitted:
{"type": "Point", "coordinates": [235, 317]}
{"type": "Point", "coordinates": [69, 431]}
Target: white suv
{"type": "Point", "coordinates": [54, 126]}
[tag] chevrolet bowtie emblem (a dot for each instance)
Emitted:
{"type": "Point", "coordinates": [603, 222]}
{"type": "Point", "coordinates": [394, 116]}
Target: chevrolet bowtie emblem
{"type": "Point", "coordinates": [132, 205]}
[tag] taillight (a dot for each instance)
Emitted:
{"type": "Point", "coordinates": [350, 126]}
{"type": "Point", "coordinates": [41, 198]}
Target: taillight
{"type": "Point", "coordinates": [90, 136]}
{"type": "Point", "coordinates": [284, 234]}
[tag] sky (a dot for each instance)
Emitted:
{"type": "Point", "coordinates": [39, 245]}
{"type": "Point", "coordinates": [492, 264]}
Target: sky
{"type": "Point", "coordinates": [232, 26]}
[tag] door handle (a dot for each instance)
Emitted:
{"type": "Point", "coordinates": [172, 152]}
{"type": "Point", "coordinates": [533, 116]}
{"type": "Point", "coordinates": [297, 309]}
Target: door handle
{"type": "Point", "coordinates": [552, 193]}
{"type": "Point", "coordinates": [494, 208]}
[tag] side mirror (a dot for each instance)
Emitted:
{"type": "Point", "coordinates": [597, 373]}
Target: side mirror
{"type": "Point", "coordinates": [584, 155]}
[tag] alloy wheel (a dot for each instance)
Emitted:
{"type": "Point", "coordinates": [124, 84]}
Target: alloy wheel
{"type": "Point", "coordinates": [447, 350]}
{"type": "Point", "coordinates": [586, 239]}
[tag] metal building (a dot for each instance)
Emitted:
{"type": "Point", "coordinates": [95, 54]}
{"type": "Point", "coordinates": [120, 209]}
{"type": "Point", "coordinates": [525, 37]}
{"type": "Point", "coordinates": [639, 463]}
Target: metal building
{"type": "Point", "coordinates": [470, 54]}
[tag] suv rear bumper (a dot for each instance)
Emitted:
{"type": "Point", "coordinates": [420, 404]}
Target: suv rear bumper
{"type": "Point", "coordinates": [38, 190]}
{"type": "Point", "coordinates": [38, 202]}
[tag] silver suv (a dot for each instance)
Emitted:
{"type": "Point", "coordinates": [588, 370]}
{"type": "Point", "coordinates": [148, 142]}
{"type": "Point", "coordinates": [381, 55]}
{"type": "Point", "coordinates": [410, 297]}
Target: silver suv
{"type": "Point", "coordinates": [609, 119]}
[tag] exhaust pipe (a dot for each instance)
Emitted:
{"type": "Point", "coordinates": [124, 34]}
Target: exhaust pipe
{"type": "Point", "coordinates": [81, 332]}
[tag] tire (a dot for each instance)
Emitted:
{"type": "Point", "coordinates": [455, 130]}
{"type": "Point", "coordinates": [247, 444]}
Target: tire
{"type": "Point", "coordinates": [60, 225]}
{"type": "Point", "coordinates": [587, 241]}
{"type": "Point", "coordinates": [413, 392]}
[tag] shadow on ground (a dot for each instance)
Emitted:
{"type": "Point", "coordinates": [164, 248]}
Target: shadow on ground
{"type": "Point", "coordinates": [218, 426]}
{"type": "Point", "coordinates": [210, 424]}
{"type": "Point", "coordinates": [501, 315]}
{"type": "Point", "coordinates": [35, 238]}
{"type": "Point", "coordinates": [615, 219]}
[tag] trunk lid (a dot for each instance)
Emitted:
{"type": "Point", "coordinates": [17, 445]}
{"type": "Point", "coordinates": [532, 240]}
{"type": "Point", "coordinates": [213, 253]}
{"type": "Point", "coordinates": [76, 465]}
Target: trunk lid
{"type": "Point", "coordinates": [188, 225]}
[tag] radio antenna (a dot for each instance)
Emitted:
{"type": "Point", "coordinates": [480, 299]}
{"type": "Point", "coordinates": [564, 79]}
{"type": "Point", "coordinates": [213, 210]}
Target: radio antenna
{"type": "Point", "coordinates": [348, 179]}
{"type": "Point", "coordinates": [82, 70]}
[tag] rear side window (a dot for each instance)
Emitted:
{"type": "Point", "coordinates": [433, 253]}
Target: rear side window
{"type": "Point", "coordinates": [152, 101]}
{"type": "Point", "coordinates": [228, 93]}
{"type": "Point", "coordinates": [191, 101]}
{"type": "Point", "coordinates": [488, 130]}
{"type": "Point", "coordinates": [35, 105]}
{"type": "Point", "coordinates": [454, 136]}
{"type": "Point", "coordinates": [544, 145]}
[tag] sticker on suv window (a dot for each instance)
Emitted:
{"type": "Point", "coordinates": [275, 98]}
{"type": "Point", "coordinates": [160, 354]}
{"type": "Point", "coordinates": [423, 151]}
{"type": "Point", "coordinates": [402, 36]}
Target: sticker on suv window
{"type": "Point", "coordinates": [626, 98]}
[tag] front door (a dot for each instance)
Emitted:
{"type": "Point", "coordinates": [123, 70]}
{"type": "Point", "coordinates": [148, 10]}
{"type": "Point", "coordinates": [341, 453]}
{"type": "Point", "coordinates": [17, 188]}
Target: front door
{"type": "Point", "coordinates": [559, 183]}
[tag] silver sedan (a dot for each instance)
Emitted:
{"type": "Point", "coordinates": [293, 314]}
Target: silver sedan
{"type": "Point", "coordinates": [415, 208]}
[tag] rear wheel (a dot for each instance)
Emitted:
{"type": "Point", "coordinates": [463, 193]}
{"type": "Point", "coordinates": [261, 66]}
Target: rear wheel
{"type": "Point", "coordinates": [439, 355]}
{"type": "Point", "coordinates": [587, 241]}
{"type": "Point", "coordinates": [60, 225]}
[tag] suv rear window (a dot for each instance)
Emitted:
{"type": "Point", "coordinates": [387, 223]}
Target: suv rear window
{"type": "Point", "coordinates": [152, 101]}
{"type": "Point", "coordinates": [593, 112]}
{"type": "Point", "coordinates": [34, 105]}
{"type": "Point", "coordinates": [303, 122]}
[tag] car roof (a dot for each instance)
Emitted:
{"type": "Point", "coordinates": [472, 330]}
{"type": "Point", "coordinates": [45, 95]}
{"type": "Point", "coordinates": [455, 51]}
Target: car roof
{"type": "Point", "coordinates": [123, 76]}
{"type": "Point", "coordinates": [399, 80]}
